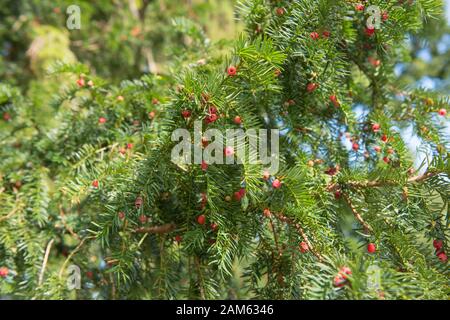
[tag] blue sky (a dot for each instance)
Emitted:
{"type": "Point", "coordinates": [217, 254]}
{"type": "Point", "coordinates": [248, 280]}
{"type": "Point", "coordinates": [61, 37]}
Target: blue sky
{"type": "Point", "coordinates": [448, 10]}
{"type": "Point", "coordinates": [413, 142]}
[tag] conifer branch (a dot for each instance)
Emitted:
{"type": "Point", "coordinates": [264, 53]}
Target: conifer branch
{"type": "Point", "coordinates": [16, 208]}
{"type": "Point", "coordinates": [44, 262]}
{"type": "Point", "coordinates": [367, 227]}
{"type": "Point", "coordinates": [72, 254]}
{"type": "Point", "coordinates": [377, 183]}
{"type": "Point", "coordinates": [300, 230]}
{"type": "Point", "coordinates": [66, 226]}
{"type": "Point", "coordinates": [165, 228]}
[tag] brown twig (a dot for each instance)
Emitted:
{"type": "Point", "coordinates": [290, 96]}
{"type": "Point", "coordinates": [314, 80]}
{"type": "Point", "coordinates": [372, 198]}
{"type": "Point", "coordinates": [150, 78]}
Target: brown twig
{"type": "Point", "coordinates": [378, 183]}
{"type": "Point", "coordinates": [44, 263]}
{"type": "Point", "coordinates": [68, 228]}
{"type": "Point", "coordinates": [275, 236]}
{"type": "Point", "coordinates": [12, 212]}
{"type": "Point", "coordinates": [300, 230]}
{"type": "Point", "coordinates": [280, 252]}
{"type": "Point", "coordinates": [367, 227]}
{"type": "Point", "coordinates": [165, 228]}
{"type": "Point", "coordinates": [200, 278]}
{"type": "Point", "coordinates": [71, 255]}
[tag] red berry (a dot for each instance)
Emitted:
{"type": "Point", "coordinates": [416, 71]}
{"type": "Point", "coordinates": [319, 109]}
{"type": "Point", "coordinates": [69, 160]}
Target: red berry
{"type": "Point", "coordinates": [304, 247]}
{"type": "Point", "coordinates": [121, 215]}
{"type": "Point", "coordinates": [377, 148]}
{"type": "Point", "coordinates": [337, 194]}
{"type": "Point", "coordinates": [334, 100]}
{"type": "Point", "coordinates": [345, 271]}
{"type": "Point", "coordinates": [201, 219]}
{"type": "Point", "coordinates": [101, 120]}
{"type": "Point", "coordinates": [371, 248]}
{"type": "Point", "coordinates": [151, 114]}
{"type": "Point", "coordinates": [267, 213]}
{"type": "Point", "coordinates": [186, 113]}
{"type": "Point", "coordinates": [384, 16]}
{"type": "Point", "coordinates": [138, 202]}
{"type": "Point", "coordinates": [89, 274]}
{"type": "Point", "coordinates": [4, 272]}
{"type": "Point", "coordinates": [129, 146]}
{"type": "Point", "coordinates": [442, 256]}
{"type": "Point", "coordinates": [280, 11]}
{"type": "Point", "coordinates": [369, 31]}
{"type": "Point", "coordinates": [229, 151]}
{"type": "Point", "coordinates": [214, 226]}
{"type": "Point", "coordinates": [204, 197]}
{"type": "Point", "coordinates": [143, 218]}
{"type": "Point", "coordinates": [384, 138]}
{"type": "Point", "coordinates": [311, 87]}
{"type": "Point", "coordinates": [6, 116]}
{"type": "Point", "coordinates": [204, 165]}
{"type": "Point", "coordinates": [212, 110]}
{"type": "Point", "coordinates": [326, 34]}
{"type": "Point", "coordinates": [355, 146]}
{"type": "Point", "coordinates": [178, 238]}
{"type": "Point", "coordinates": [373, 61]}
{"type": "Point", "coordinates": [95, 183]}
{"type": "Point", "coordinates": [232, 71]}
{"type": "Point", "coordinates": [437, 244]}
{"type": "Point", "coordinates": [339, 281]}
{"type": "Point", "coordinates": [238, 195]}
{"type": "Point", "coordinates": [276, 184]}
{"type": "Point", "coordinates": [332, 170]}
{"type": "Point", "coordinates": [205, 142]}
{"type": "Point", "coordinates": [80, 82]}
{"type": "Point", "coordinates": [376, 127]}
{"type": "Point", "coordinates": [386, 159]}
{"type": "Point", "coordinates": [314, 35]}
{"type": "Point", "coordinates": [442, 112]}
{"type": "Point", "coordinates": [212, 118]}
{"type": "Point", "coordinates": [359, 7]}
{"type": "Point", "coordinates": [237, 120]}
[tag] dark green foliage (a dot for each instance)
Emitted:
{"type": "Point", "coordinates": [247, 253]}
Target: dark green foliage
{"type": "Point", "coordinates": [52, 155]}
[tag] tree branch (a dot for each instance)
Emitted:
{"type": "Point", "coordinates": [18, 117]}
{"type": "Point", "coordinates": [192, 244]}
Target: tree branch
{"type": "Point", "coordinates": [17, 207]}
{"type": "Point", "coordinates": [165, 228]}
{"type": "Point", "coordinates": [44, 263]}
{"type": "Point", "coordinates": [300, 230]}
{"type": "Point", "coordinates": [71, 255]}
{"type": "Point", "coordinates": [367, 227]}
{"type": "Point", "coordinates": [378, 183]}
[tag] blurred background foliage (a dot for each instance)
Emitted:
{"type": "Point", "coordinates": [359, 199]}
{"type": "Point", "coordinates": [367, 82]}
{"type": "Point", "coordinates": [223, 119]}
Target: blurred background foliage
{"type": "Point", "coordinates": [124, 39]}
{"type": "Point", "coordinates": [118, 40]}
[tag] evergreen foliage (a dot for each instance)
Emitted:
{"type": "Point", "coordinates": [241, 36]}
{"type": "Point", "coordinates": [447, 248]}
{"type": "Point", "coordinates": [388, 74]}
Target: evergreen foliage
{"type": "Point", "coordinates": [86, 176]}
